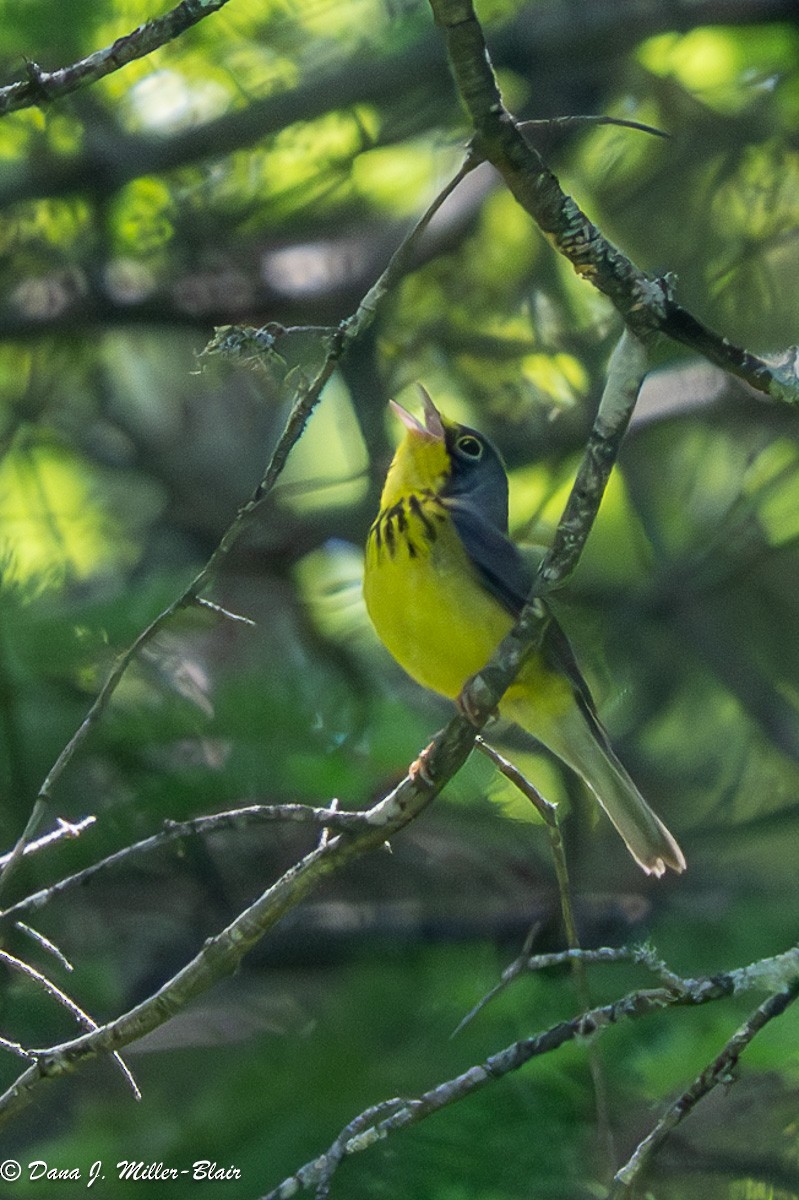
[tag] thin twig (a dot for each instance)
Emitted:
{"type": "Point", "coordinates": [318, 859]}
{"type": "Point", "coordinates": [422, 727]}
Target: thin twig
{"type": "Point", "coordinates": [627, 370]}
{"type": "Point", "coordinates": [15, 1048]}
{"type": "Point", "coordinates": [518, 967]}
{"type": "Point", "coordinates": [236, 819]}
{"type": "Point", "coordinates": [549, 812]}
{"type": "Point", "coordinates": [559, 124]}
{"type": "Point", "coordinates": [719, 1071]}
{"type": "Point", "coordinates": [201, 602]}
{"type": "Point", "coordinates": [64, 829]}
{"type": "Point", "coordinates": [633, 1006]}
{"type": "Point", "coordinates": [644, 302]}
{"type": "Point", "coordinates": [43, 86]}
{"type": "Point", "coordinates": [402, 258]}
{"type": "Point", "coordinates": [45, 943]}
{"type": "Point", "coordinates": [83, 1019]}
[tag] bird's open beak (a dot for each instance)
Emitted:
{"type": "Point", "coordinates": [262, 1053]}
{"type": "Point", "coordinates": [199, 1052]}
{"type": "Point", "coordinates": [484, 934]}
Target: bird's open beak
{"type": "Point", "coordinates": [433, 429]}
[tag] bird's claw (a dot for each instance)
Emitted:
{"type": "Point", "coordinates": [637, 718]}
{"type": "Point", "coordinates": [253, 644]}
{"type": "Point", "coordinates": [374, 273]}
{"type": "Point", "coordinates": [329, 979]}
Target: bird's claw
{"type": "Point", "coordinates": [468, 709]}
{"type": "Point", "coordinates": [418, 768]}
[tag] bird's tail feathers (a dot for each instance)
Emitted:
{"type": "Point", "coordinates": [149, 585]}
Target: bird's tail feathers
{"type": "Point", "coordinates": [573, 741]}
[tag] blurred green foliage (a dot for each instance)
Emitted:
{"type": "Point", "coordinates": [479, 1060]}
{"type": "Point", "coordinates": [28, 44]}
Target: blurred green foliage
{"type": "Point", "coordinates": [263, 167]}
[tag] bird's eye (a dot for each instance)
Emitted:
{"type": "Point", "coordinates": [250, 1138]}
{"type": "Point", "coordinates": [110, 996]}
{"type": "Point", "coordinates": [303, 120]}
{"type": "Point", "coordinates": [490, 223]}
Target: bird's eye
{"type": "Point", "coordinates": [470, 447]}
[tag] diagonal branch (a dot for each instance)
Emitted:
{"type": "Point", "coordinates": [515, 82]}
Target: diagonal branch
{"type": "Point", "coordinates": [644, 301]}
{"type": "Point", "coordinates": [221, 954]}
{"type": "Point", "coordinates": [56, 993]}
{"type": "Point", "coordinates": [43, 86]}
{"type": "Point", "coordinates": [645, 1002]}
{"type": "Point", "coordinates": [237, 818]}
{"type": "Point", "coordinates": [720, 1070]}
{"type": "Point", "coordinates": [625, 375]}
{"type": "Point", "coordinates": [63, 829]}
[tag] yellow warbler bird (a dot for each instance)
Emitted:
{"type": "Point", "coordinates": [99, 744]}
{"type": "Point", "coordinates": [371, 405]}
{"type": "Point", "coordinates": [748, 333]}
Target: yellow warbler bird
{"type": "Point", "coordinates": [444, 583]}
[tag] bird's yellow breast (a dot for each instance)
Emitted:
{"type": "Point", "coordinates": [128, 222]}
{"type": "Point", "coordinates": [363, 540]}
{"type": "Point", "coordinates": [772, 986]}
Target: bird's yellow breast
{"type": "Point", "coordinates": [424, 597]}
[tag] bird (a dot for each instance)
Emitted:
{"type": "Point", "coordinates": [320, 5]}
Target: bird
{"type": "Point", "coordinates": [443, 584]}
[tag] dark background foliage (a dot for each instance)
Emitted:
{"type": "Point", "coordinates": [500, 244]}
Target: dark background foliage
{"type": "Point", "coordinates": [263, 167]}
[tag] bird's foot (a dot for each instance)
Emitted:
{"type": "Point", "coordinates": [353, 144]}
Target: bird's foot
{"type": "Point", "coordinates": [469, 709]}
{"type": "Point", "coordinates": [418, 768]}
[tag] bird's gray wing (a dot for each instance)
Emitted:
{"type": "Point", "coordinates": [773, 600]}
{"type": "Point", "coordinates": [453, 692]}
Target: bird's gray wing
{"type": "Point", "coordinates": [497, 560]}
{"type": "Point", "coordinates": [507, 575]}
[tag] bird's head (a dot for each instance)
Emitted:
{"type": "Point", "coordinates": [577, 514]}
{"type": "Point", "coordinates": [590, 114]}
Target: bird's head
{"type": "Point", "coordinates": [451, 460]}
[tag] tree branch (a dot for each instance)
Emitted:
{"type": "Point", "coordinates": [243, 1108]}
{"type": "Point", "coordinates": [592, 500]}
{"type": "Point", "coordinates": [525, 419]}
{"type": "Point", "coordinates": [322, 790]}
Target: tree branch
{"type": "Point", "coordinates": [235, 819]}
{"type": "Point", "coordinates": [44, 86]}
{"type": "Point", "coordinates": [62, 830]}
{"type": "Point", "coordinates": [631, 1007]}
{"type": "Point", "coordinates": [549, 34]}
{"type": "Point", "coordinates": [56, 993]}
{"type": "Point", "coordinates": [222, 953]}
{"type": "Point", "coordinates": [644, 301]}
{"type": "Point", "coordinates": [720, 1070]}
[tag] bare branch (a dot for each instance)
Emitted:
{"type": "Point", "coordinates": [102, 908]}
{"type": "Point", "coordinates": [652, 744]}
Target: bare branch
{"type": "Point", "coordinates": [626, 372]}
{"type": "Point", "coordinates": [531, 129]}
{"type": "Point", "coordinates": [83, 1019]}
{"type": "Point", "coordinates": [633, 1006]}
{"type": "Point", "coordinates": [45, 943]}
{"type": "Point", "coordinates": [575, 955]}
{"type": "Point", "coordinates": [222, 953]}
{"type": "Point", "coordinates": [201, 602]}
{"type": "Point", "coordinates": [44, 86]}
{"type": "Point", "coordinates": [319, 1173]}
{"type": "Point", "coordinates": [549, 812]}
{"type": "Point", "coordinates": [644, 301]}
{"type": "Point", "coordinates": [15, 1048]}
{"type": "Point", "coordinates": [10, 862]}
{"type": "Point", "coordinates": [720, 1070]}
{"type": "Point", "coordinates": [237, 818]}
{"type": "Point", "coordinates": [64, 829]}
{"type": "Point", "coordinates": [518, 967]}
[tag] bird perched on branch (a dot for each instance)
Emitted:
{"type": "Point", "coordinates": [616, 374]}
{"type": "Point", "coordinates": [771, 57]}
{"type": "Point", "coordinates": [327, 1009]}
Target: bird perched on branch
{"type": "Point", "coordinates": [443, 585]}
